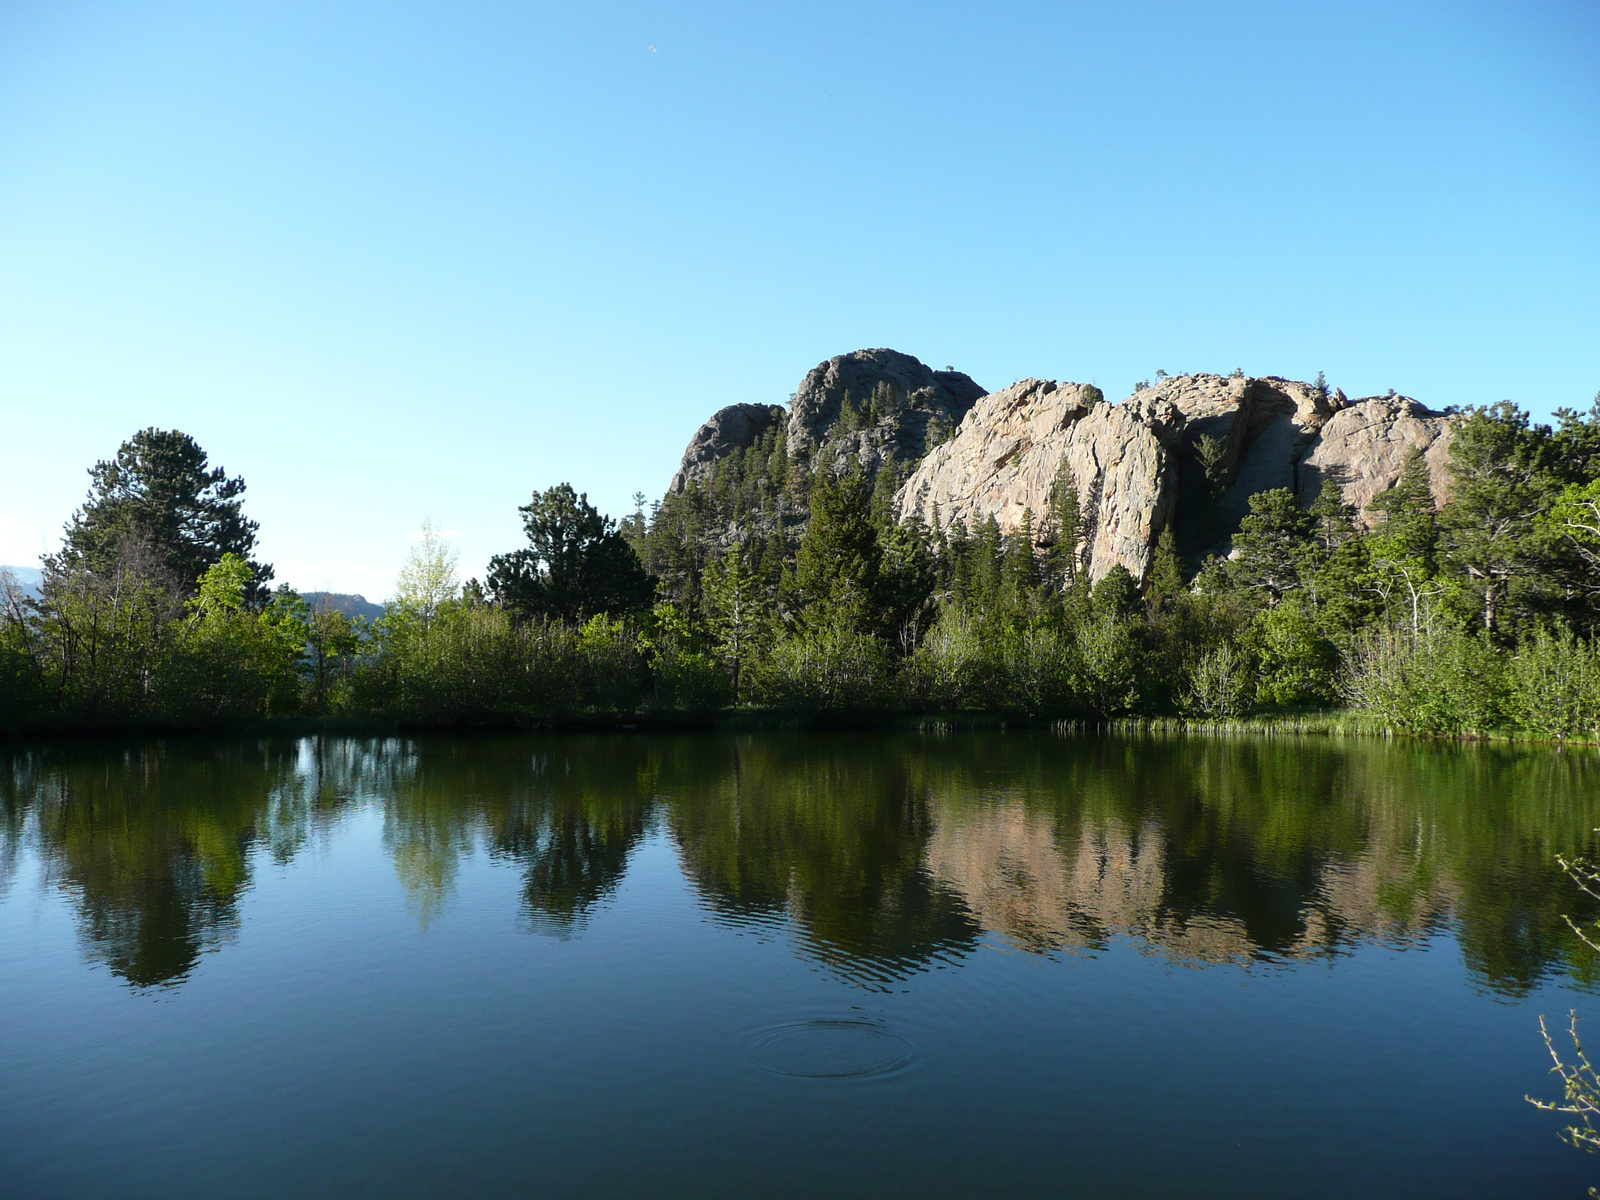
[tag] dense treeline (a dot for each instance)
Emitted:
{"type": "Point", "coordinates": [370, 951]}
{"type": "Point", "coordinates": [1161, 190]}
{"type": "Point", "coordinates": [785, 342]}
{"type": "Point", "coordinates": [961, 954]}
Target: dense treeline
{"type": "Point", "coordinates": [771, 584]}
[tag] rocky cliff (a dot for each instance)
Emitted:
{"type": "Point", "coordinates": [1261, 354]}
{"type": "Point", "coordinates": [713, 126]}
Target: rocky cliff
{"type": "Point", "coordinates": [1364, 445]}
{"type": "Point", "coordinates": [1189, 452]}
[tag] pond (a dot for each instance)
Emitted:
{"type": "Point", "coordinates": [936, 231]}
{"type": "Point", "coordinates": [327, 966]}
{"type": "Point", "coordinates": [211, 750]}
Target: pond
{"type": "Point", "coordinates": [787, 965]}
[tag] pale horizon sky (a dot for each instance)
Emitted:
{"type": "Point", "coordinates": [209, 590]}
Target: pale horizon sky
{"type": "Point", "coordinates": [391, 261]}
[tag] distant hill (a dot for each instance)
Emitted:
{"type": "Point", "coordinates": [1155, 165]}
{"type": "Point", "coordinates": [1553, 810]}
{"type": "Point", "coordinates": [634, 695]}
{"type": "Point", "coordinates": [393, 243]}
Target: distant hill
{"type": "Point", "coordinates": [30, 578]}
{"type": "Point", "coordinates": [349, 605]}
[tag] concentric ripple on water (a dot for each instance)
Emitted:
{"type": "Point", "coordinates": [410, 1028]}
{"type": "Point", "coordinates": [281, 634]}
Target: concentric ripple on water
{"type": "Point", "coordinates": [829, 1048]}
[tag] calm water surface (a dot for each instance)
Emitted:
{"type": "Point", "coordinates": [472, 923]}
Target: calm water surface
{"type": "Point", "coordinates": [786, 965]}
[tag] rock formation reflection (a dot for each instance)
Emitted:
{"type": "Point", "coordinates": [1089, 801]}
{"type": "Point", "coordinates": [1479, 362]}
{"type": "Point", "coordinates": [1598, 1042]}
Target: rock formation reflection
{"type": "Point", "coordinates": [875, 856]}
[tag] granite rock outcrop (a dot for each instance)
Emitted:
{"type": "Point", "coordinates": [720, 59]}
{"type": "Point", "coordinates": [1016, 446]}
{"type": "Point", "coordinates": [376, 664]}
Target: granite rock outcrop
{"type": "Point", "coordinates": [1189, 452]}
{"type": "Point", "coordinates": [1364, 447]}
{"type": "Point", "coordinates": [736, 427]}
{"type": "Point", "coordinates": [872, 407]}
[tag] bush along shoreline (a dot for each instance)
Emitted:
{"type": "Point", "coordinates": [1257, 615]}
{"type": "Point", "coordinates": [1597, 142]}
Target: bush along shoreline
{"type": "Point", "coordinates": [1477, 618]}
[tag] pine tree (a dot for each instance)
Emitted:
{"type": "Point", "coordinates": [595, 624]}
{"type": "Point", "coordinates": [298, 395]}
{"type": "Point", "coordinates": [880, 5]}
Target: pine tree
{"type": "Point", "coordinates": [161, 502]}
{"type": "Point", "coordinates": [1575, 445]}
{"type": "Point", "coordinates": [737, 611]}
{"type": "Point", "coordinates": [778, 461]}
{"type": "Point", "coordinates": [1065, 526]}
{"type": "Point", "coordinates": [1211, 453]}
{"type": "Point", "coordinates": [1270, 545]}
{"type": "Point", "coordinates": [775, 557]}
{"type": "Point", "coordinates": [1490, 538]}
{"type": "Point", "coordinates": [985, 558]}
{"type": "Point", "coordinates": [849, 415]}
{"type": "Point", "coordinates": [1405, 546]}
{"type": "Point", "coordinates": [1343, 588]}
{"type": "Point", "coordinates": [1327, 572]}
{"type": "Point", "coordinates": [1116, 596]}
{"type": "Point", "coordinates": [957, 574]}
{"type": "Point", "coordinates": [837, 568]}
{"type": "Point", "coordinates": [1165, 585]}
{"type": "Point", "coordinates": [908, 577]}
{"type": "Point", "coordinates": [576, 563]}
{"type": "Point", "coordinates": [1021, 566]}
{"type": "Point", "coordinates": [884, 488]}
{"type": "Point", "coordinates": [882, 403]}
{"type": "Point", "coordinates": [1333, 521]}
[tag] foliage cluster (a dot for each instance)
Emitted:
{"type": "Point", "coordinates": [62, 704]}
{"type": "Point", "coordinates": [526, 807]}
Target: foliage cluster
{"type": "Point", "coordinates": [774, 585]}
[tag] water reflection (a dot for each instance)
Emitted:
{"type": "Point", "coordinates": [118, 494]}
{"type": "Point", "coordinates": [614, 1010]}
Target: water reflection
{"type": "Point", "coordinates": [832, 835]}
{"type": "Point", "coordinates": [878, 856]}
{"type": "Point", "coordinates": [571, 829]}
{"type": "Point", "coordinates": [156, 847]}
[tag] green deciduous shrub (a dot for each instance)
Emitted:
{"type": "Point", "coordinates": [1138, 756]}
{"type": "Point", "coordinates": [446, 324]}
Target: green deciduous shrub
{"type": "Point", "coordinates": [1555, 686]}
{"type": "Point", "coordinates": [1441, 682]}
{"type": "Point", "coordinates": [828, 667]}
{"type": "Point", "coordinates": [1220, 684]}
{"type": "Point", "coordinates": [1299, 665]}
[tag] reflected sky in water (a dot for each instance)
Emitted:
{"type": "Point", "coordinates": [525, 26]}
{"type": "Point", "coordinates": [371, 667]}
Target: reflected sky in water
{"type": "Point", "coordinates": [549, 965]}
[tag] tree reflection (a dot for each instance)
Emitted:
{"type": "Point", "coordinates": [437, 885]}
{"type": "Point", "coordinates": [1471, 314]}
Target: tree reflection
{"type": "Point", "coordinates": [880, 856]}
{"type": "Point", "coordinates": [154, 844]}
{"type": "Point", "coordinates": [832, 835]}
{"type": "Point", "coordinates": [572, 827]}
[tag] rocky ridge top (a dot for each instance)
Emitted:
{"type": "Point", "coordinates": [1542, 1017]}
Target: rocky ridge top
{"type": "Point", "coordinates": [872, 406]}
{"type": "Point", "coordinates": [912, 396]}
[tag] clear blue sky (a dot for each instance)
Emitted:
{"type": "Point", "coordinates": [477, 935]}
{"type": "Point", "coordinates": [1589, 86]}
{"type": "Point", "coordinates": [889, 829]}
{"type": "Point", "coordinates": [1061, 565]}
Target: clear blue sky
{"type": "Point", "coordinates": [387, 260]}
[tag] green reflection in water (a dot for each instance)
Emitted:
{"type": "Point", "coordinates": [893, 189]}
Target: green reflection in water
{"type": "Point", "coordinates": [153, 844]}
{"type": "Point", "coordinates": [882, 854]}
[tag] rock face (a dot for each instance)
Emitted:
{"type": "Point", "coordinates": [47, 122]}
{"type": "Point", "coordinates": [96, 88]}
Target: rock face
{"type": "Point", "coordinates": [916, 396]}
{"type": "Point", "coordinates": [869, 405]}
{"type": "Point", "coordinates": [1012, 445]}
{"type": "Point", "coordinates": [1191, 450]}
{"type": "Point", "coordinates": [1364, 447]}
{"type": "Point", "coordinates": [733, 428]}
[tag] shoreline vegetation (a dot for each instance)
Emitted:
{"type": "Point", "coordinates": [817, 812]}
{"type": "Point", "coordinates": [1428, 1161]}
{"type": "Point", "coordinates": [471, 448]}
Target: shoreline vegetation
{"type": "Point", "coordinates": [771, 595]}
{"type": "Point", "coordinates": [1317, 723]}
